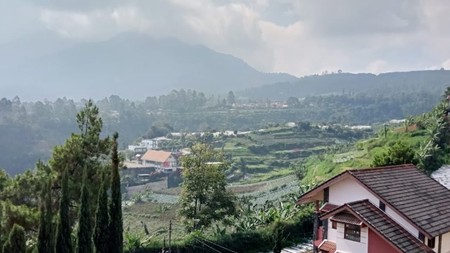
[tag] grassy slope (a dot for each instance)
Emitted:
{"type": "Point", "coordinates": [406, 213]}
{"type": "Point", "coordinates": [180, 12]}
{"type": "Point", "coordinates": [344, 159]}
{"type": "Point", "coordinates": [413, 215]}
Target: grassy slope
{"type": "Point", "coordinates": [321, 168]}
{"type": "Point", "coordinates": [273, 152]}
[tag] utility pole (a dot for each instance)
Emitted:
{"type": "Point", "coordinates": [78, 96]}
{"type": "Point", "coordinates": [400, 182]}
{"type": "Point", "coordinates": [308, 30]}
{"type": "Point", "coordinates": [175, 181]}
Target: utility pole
{"type": "Point", "coordinates": [164, 251]}
{"type": "Point", "coordinates": [170, 236]}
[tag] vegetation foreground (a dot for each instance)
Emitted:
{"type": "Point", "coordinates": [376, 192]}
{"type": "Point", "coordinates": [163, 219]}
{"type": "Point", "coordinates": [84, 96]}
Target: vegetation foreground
{"type": "Point", "coordinates": [73, 203]}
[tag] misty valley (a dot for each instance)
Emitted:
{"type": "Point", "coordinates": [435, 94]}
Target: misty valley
{"type": "Point", "coordinates": [260, 153]}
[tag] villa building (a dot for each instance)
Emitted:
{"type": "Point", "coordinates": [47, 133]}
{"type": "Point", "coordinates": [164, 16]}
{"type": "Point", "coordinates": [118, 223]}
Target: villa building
{"type": "Point", "coordinates": [392, 209]}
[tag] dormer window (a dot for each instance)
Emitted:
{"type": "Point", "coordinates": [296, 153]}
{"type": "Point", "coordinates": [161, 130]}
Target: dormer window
{"type": "Point", "coordinates": [382, 206]}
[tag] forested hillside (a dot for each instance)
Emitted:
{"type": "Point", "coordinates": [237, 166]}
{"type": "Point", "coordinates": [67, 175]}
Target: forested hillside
{"type": "Point", "coordinates": [30, 130]}
{"type": "Point", "coordinates": [396, 83]}
{"type": "Point", "coordinates": [422, 140]}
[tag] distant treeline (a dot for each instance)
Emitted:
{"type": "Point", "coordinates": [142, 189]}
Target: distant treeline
{"type": "Point", "coordinates": [429, 81]}
{"type": "Point", "coordinates": [30, 130]}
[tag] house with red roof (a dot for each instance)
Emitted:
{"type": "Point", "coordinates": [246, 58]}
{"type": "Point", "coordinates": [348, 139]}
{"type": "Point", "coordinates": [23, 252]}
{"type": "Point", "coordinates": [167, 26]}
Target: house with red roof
{"type": "Point", "coordinates": [163, 161]}
{"type": "Point", "coordinates": [392, 209]}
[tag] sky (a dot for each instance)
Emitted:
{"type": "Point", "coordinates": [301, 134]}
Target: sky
{"type": "Point", "coordinates": [299, 37]}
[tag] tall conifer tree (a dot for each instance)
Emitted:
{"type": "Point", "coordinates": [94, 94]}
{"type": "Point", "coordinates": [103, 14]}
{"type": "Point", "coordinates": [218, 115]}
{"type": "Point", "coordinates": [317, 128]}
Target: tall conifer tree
{"type": "Point", "coordinates": [16, 240]}
{"type": "Point", "coordinates": [101, 231]}
{"type": "Point", "coordinates": [45, 236]}
{"type": "Point", "coordinates": [63, 242]}
{"type": "Point", "coordinates": [115, 209]}
{"type": "Point", "coordinates": [1, 227]}
{"type": "Point", "coordinates": [84, 235]}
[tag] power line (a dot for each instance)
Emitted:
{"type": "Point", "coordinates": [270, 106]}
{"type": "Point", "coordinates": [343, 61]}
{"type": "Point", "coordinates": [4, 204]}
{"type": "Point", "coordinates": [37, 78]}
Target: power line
{"type": "Point", "coordinates": [215, 244]}
{"type": "Point", "coordinates": [204, 244]}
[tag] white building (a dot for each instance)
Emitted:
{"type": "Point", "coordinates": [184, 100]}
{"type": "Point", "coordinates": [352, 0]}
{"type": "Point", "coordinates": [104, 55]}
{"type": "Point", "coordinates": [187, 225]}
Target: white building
{"type": "Point", "coordinates": [386, 209]}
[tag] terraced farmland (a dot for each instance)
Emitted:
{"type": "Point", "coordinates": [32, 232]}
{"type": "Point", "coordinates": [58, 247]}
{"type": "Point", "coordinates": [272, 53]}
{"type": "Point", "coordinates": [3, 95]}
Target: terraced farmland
{"type": "Point", "coordinates": [270, 153]}
{"type": "Point", "coordinates": [262, 170]}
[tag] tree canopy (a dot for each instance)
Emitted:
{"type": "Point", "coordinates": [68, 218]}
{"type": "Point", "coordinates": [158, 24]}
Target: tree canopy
{"type": "Point", "coordinates": [204, 197]}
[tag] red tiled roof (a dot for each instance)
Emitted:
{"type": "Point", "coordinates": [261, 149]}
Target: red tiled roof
{"type": "Point", "coordinates": [156, 156]}
{"type": "Point", "coordinates": [328, 246]}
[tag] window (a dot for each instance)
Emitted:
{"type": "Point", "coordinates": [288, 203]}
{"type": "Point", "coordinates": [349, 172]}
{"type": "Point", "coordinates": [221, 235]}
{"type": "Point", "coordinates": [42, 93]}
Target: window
{"type": "Point", "coordinates": [352, 232]}
{"type": "Point", "coordinates": [326, 195]}
{"type": "Point", "coordinates": [421, 237]}
{"type": "Point", "coordinates": [334, 225]}
{"type": "Point", "coordinates": [431, 242]}
{"type": "Point", "coordinates": [382, 206]}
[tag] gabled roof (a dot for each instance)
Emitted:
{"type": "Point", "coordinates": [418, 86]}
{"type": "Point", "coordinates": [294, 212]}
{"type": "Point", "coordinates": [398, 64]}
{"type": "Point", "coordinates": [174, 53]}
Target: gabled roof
{"type": "Point", "coordinates": [346, 218]}
{"type": "Point", "coordinates": [327, 207]}
{"type": "Point", "coordinates": [412, 194]}
{"type": "Point", "coordinates": [328, 246]}
{"type": "Point", "coordinates": [381, 224]}
{"type": "Point", "coordinates": [156, 156]}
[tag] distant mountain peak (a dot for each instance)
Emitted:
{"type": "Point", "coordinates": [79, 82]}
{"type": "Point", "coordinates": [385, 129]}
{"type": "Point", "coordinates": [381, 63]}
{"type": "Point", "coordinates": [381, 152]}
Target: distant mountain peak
{"type": "Point", "coordinates": [133, 65]}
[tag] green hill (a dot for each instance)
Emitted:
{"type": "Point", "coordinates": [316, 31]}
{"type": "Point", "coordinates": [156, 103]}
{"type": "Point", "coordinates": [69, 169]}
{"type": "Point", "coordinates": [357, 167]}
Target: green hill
{"type": "Point", "coordinates": [422, 140]}
{"type": "Point", "coordinates": [395, 83]}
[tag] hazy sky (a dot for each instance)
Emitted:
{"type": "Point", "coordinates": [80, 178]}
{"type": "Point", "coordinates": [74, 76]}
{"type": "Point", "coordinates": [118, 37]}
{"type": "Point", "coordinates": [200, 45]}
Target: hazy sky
{"type": "Point", "coordinates": [293, 36]}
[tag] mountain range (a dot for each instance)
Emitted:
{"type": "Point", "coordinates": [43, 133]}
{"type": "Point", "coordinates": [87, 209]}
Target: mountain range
{"type": "Point", "coordinates": [426, 81]}
{"type": "Point", "coordinates": [135, 66]}
{"type": "Point", "coordinates": [131, 65]}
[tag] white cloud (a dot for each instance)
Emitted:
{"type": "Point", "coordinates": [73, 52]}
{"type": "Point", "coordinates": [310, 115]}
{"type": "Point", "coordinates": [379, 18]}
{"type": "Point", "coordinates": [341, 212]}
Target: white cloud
{"type": "Point", "coordinates": [130, 18]}
{"type": "Point", "coordinates": [68, 24]}
{"type": "Point", "coordinates": [232, 28]}
{"type": "Point", "coordinates": [299, 37]}
{"type": "Point", "coordinates": [94, 24]}
{"type": "Point", "coordinates": [377, 67]}
{"type": "Point", "coordinates": [446, 64]}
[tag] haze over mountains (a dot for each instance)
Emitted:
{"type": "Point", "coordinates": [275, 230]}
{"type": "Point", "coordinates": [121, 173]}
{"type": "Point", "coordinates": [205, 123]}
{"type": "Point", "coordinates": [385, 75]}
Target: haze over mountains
{"type": "Point", "coordinates": [131, 65]}
{"type": "Point", "coordinates": [427, 81]}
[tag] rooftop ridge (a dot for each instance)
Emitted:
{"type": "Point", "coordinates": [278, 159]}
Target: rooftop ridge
{"type": "Point", "coordinates": [389, 167]}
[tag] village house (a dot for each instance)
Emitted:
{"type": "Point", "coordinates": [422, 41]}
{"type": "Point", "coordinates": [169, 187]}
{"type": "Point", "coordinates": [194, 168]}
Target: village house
{"type": "Point", "coordinates": [385, 209]}
{"type": "Point", "coordinates": [163, 161]}
{"type": "Point", "coordinates": [148, 144]}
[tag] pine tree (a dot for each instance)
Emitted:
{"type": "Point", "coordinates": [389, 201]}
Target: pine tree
{"type": "Point", "coordinates": [63, 242]}
{"type": "Point", "coordinates": [84, 235]}
{"type": "Point", "coordinates": [115, 209]}
{"type": "Point", "coordinates": [16, 240]}
{"type": "Point", "coordinates": [45, 236]}
{"type": "Point", "coordinates": [1, 227]}
{"type": "Point", "coordinates": [101, 230]}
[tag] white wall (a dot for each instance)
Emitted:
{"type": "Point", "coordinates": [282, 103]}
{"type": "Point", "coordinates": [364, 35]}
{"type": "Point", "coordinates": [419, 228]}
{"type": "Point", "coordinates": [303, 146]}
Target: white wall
{"type": "Point", "coordinates": [348, 245]}
{"type": "Point", "coordinates": [348, 190]}
{"type": "Point", "coordinates": [445, 243]}
{"type": "Point", "coordinates": [332, 233]}
{"type": "Point", "coordinates": [172, 161]}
